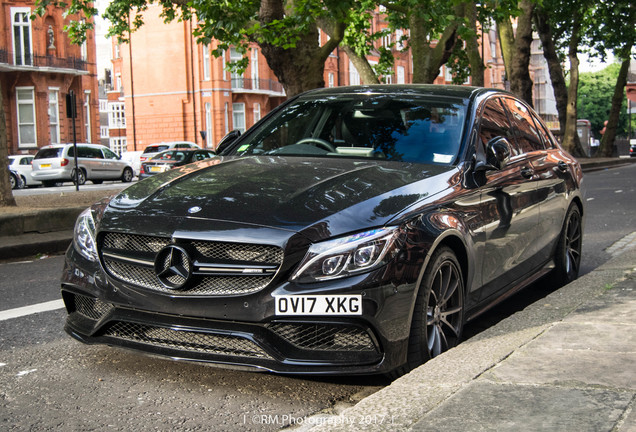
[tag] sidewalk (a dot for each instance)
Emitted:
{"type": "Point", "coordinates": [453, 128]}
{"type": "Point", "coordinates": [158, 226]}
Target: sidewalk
{"type": "Point", "coordinates": [565, 363]}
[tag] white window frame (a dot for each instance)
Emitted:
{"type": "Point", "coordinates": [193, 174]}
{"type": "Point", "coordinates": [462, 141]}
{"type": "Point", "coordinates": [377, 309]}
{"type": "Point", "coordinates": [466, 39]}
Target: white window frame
{"type": "Point", "coordinates": [87, 112]}
{"type": "Point", "coordinates": [116, 115]}
{"type": "Point", "coordinates": [103, 105]}
{"type": "Point", "coordinates": [227, 118]}
{"type": "Point", "coordinates": [208, 125]}
{"type": "Point", "coordinates": [331, 79]}
{"type": "Point", "coordinates": [54, 108]}
{"type": "Point", "coordinates": [224, 60]}
{"type": "Point", "coordinates": [26, 58]}
{"type": "Point", "coordinates": [399, 34]}
{"type": "Point", "coordinates": [118, 82]}
{"type": "Point", "coordinates": [206, 62]}
{"type": "Point", "coordinates": [238, 116]}
{"type": "Point", "coordinates": [118, 144]}
{"type": "Point", "coordinates": [238, 80]}
{"type": "Point", "coordinates": [354, 75]}
{"type": "Point", "coordinates": [104, 132]}
{"type": "Point", "coordinates": [257, 112]}
{"type": "Point", "coordinates": [31, 102]}
{"type": "Point", "coordinates": [400, 75]}
{"type": "Point", "coordinates": [255, 76]}
{"type": "Point", "coordinates": [84, 49]}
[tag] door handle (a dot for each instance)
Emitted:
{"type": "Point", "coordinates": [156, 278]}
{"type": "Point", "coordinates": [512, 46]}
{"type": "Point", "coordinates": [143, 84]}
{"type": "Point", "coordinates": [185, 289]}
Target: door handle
{"type": "Point", "coordinates": [562, 166]}
{"type": "Point", "coordinates": [527, 172]}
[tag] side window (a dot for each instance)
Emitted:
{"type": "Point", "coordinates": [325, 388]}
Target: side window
{"type": "Point", "coordinates": [109, 154]}
{"type": "Point", "coordinates": [548, 140]}
{"type": "Point", "coordinates": [526, 132]}
{"type": "Point", "coordinates": [82, 152]}
{"type": "Point", "coordinates": [494, 123]}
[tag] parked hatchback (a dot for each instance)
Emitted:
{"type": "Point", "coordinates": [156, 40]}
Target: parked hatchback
{"type": "Point", "coordinates": [354, 230]}
{"type": "Point", "coordinates": [22, 164]}
{"type": "Point", "coordinates": [154, 149]}
{"type": "Point", "coordinates": [55, 164]}
{"type": "Point", "coordinates": [171, 159]}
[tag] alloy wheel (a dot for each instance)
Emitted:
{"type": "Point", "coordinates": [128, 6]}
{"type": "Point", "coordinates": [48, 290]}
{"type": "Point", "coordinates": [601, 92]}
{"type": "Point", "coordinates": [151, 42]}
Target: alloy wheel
{"type": "Point", "coordinates": [444, 310]}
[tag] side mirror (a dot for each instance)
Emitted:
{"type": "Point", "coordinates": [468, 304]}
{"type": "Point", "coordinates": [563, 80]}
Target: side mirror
{"type": "Point", "coordinates": [497, 155]}
{"type": "Point", "coordinates": [227, 141]}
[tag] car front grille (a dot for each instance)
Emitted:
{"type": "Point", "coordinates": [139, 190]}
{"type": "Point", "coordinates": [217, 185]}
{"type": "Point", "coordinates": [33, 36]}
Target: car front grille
{"type": "Point", "coordinates": [324, 337]}
{"type": "Point", "coordinates": [186, 340]}
{"type": "Point", "coordinates": [90, 307]}
{"type": "Point", "coordinates": [237, 268]}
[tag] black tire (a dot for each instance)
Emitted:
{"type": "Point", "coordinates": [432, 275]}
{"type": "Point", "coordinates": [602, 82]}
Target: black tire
{"type": "Point", "coordinates": [22, 183]}
{"type": "Point", "coordinates": [127, 175]}
{"type": "Point", "coordinates": [567, 257]}
{"type": "Point", "coordinates": [438, 317]}
{"type": "Point", "coordinates": [81, 177]}
{"type": "Point", "coordinates": [13, 181]}
{"type": "Point", "coordinates": [97, 181]}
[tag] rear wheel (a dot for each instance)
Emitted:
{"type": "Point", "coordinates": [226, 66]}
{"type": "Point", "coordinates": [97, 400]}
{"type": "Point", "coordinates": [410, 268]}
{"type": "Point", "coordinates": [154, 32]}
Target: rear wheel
{"type": "Point", "coordinates": [81, 177]}
{"type": "Point", "coordinates": [13, 181]}
{"type": "Point", "coordinates": [127, 175]}
{"type": "Point", "coordinates": [567, 257]}
{"type": "Point", "coordinates": [438, 318]}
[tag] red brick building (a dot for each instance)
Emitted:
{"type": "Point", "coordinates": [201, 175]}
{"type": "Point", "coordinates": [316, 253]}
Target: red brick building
{"type": "Point", "coordinates": [38, 68]}
{"type": "Point", "coordinates": [174, 89]}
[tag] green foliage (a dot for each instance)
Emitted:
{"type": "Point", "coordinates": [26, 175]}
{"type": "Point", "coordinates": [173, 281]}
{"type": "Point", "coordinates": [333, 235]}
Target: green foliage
{"type": "Point", "coordinates": [595, 99]}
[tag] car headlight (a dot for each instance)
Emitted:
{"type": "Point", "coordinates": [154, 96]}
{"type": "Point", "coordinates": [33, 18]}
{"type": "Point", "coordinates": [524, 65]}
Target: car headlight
{"type": "Point", "coordinates": [347, 256]}
{"type": "Point", "coordinates": [84, 235]}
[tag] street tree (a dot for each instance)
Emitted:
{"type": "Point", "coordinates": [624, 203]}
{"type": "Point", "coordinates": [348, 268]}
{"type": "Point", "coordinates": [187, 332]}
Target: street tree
{"type": "Point", "coordinates": [6, 195]}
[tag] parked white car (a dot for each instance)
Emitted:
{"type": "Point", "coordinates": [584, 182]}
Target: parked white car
{"type": "Point", "coordinates": [133, 159]}
{"type": "Point", "coordinates": [21, 164]}
{"type": "Point", "coordinates": [56, 164]}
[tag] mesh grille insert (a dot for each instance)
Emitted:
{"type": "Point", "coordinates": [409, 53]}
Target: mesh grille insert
{"type": "Point", "coordinates": [186, 340]}
{"type": "Point", "coordinates": [91, 307]}
{"type": "Point", "coordinates": [322, 337]}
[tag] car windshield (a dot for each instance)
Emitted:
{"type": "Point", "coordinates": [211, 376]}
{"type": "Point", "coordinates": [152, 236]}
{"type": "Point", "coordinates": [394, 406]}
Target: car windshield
{"type": "Point", "coordinates": [47, 153]}
{"type": "Point", "coordinates": [398, 128]}
{"type": "Point", "coordinates": [156, 148]}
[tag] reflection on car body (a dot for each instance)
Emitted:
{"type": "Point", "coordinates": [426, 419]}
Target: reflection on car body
{"type": "Point", "coordinates": [354, 230]}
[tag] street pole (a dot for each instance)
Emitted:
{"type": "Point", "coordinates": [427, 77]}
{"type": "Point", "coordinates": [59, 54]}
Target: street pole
{"type": "Point", "coordinates": [71, 111]}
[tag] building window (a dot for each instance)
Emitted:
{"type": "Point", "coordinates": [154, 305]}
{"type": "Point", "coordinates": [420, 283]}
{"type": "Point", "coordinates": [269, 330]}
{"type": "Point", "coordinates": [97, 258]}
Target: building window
{"type": "Point", "coordinates": [354, 76]}
{"type": "Point", "coordinates": [237, 79]}
{"type": "Point", "coordinates": [400, 75]}
{"type": "Point", "coordinates": [206, 62]}
{"type": "Point", "coordinates": [118, 83]}
{"type": "Point", "coordinates": [118, 144]}
{"type": "Point", "coordinates": [255, 82]}
{"type": "Point", "coordinates": [257, 112]}
{"type": "Point", "coordinates": [116, 51]}
{"type": "Point", "coordinates": [224, 61]}
{"type": "Point", "coordinates": [399, 34]}
{"type": "Point", "coordinates": [208, 125]}
{"type": "Point", "coordinates": [54, 115]}
{"type": "Point", "coordinates": [22, 47]}
{"type": "Point", "coordinates": [87, 111]}
{"type": "Point", "coordinates": [331, 79]}
{"type": "Point", "coordinates": [448, 75]}
{"type": "Point", "coordinates": [25, 99]}
{"type": "Point", "coordinates": [84, 48]}
{"type": "Point", "coordinates": [103, 132]}
{"type": "Point", "coordinates": [103, 105]}
{"type": "Point", "coordinates": [116, 115]}
{"type": "Point", "coordinates": [238, 116]}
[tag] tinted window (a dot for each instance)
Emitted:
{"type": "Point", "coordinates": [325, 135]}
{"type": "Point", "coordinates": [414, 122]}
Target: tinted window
{"type": "Point", "coordinates": [109, 154]}
{"type": "Point", "coordinates": [86, 152]}
{"type": "Point", "coordinates": [49, 153]}
{"type": "Point", "coordinates": [404, 128]}
{"type": "Point", "coordinates": [155, 148]}
{"type": "Point", "coordinates": [528, 138]}
{"type": "Point", "coordinates": [543, 131]}
{"type": "Point", "coordinates": [201, 155]}
{"type": "Point", "coordinates": [495, 124]}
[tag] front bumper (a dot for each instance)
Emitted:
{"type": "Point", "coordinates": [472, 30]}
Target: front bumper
{"type": "Point", "coordinates": [241, 331]}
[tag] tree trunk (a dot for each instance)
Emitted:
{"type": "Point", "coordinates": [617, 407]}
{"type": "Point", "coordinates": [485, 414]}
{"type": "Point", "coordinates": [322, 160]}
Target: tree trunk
{"type": "Point", "coordinates": [557, 77]}
{"type": "Point", "coordinates": [300, 68]}
{"type": "Point", "coordinates": [507, 41]}
{"type": "Point", "coordinates": [520, 81]}
{"type": "Point", "coordinates": [367, 74]}
{"type": "Point", "coordinates": [570, 137]}
{"type": "Point", "coordinates": [607, 142]}
{"type": "Point", "coordinates": [6, 195]}
{"type": "Point", "coordinates": [477, 67]}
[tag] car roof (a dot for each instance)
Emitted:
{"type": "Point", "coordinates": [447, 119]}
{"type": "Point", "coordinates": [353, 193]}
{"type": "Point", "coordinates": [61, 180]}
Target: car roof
{"type": "Point", "coordinates": [458, 91]}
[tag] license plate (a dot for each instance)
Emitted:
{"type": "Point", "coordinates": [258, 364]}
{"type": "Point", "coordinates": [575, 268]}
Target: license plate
{"type": "Point", "coordinates": [45, 166]}
{"type": "Point", "coordinates": [319, 304]}
{"type": "Point", "coordinates": [155, 169]}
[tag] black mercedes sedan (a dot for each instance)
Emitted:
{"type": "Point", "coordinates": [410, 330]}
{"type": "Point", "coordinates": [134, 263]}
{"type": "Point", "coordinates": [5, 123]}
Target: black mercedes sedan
{"type": "Point", "coordinates": [353, 230]}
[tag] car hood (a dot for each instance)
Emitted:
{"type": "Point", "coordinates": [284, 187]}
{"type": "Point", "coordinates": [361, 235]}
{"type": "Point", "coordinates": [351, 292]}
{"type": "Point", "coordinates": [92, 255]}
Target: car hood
{"type": "Point", "coordinates": [319, 197]}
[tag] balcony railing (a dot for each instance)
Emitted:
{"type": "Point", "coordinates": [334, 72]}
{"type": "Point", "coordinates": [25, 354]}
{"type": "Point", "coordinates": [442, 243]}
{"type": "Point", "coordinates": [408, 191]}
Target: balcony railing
{"type": "Point", "coordinates": [32, 60]}
{"type": "Point", "coordinates": [257, 85]}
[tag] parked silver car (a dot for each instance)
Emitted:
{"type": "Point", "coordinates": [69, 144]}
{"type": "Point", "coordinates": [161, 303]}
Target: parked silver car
{"type": "Point", "coordinates": [56, 163]}
{"type": "Point", "coordinates": [21, 164]}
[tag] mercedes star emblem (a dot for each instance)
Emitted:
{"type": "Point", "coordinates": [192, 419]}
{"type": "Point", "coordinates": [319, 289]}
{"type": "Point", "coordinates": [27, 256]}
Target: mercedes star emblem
{"type": "Point", "coordinates": [173, 267]}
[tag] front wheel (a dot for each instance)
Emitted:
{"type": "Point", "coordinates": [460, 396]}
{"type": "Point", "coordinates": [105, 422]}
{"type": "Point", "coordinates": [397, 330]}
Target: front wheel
{"type": "Point", "coordinates": [81, 177]}
{"type": "Point", "coordinates": [567, 257]}
{"type": "Point", "coordinates": [438, 318]}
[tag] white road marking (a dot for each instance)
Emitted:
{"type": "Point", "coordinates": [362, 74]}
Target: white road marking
{"type": "Point", "coordinates": [590, 199]}
{"type": "Point", "coordinates": [32, 309]}
{"type": "Point", "coordinates": [618, 191]}
{"type": "Point", "coordinates": [26, 372]}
